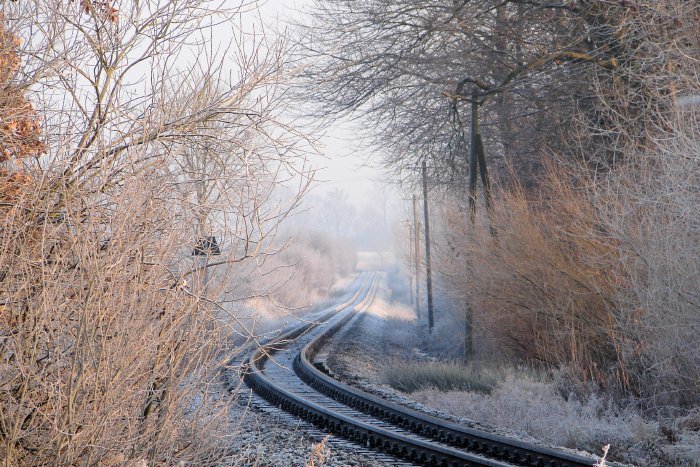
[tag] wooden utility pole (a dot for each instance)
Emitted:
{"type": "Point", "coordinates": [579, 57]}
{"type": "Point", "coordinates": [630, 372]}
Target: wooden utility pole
{"type": "Point", "coordinates": [409, 239]}
{"type": "Point", "coordinates": [429, 279]}
{"type": "Point", "coordinates": [416, 245]}
{"type": "Point", "coordinates": [477, 162]}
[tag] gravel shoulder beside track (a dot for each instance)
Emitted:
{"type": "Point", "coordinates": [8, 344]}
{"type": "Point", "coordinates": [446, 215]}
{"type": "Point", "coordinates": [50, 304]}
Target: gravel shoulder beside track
{"type": "Point", "coordinates": [270, 439]}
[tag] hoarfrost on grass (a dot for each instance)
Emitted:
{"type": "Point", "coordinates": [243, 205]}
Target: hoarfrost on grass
{"type": "Point", "coordinates": [527, 404]}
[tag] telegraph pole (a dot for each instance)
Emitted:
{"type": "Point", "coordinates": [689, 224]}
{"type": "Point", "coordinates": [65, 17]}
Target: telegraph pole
{"type": "Point", "coordinates": [416, 244]}
{"type": "Point", "coordinates": [429, 279]}
{"type": "Point", "coordinates": [409, 239]}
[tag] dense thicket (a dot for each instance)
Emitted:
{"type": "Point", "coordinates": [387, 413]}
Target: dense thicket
{"type": "Point", "coordinates": [113, 331]}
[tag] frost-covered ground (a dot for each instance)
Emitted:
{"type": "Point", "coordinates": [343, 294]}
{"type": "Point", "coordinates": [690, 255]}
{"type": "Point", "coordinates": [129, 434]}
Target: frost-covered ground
{"type": "Point", "coordinates": [522, 403]}
{"type": "Point", "coordinates": [267, 440]}
{"type": "Point", "coordinates": [269, 437]}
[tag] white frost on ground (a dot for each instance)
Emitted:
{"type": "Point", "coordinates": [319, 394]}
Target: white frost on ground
{"type": "Point", "coordinates": [260, 438]}
{"type": "Point", "coordinates": [521, 405]}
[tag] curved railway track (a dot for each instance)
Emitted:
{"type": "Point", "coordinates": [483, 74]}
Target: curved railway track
{"type": "Point", "coordinates": [311, 394]}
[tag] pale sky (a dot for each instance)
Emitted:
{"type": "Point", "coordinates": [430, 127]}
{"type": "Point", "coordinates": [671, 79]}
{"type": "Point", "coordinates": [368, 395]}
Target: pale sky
{"type": "Point", "coordinates": [345, 165]}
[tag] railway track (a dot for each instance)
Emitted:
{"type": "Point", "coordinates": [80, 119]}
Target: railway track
{"type": "Point", "coordinates": [284, 372]}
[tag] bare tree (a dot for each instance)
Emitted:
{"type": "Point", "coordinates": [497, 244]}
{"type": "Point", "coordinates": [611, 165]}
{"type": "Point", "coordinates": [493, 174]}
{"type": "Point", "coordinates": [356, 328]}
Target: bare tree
{"type": "Point", "coordinates": [336, 213]}
{"type": "Point", "coordinates": [417, 67]}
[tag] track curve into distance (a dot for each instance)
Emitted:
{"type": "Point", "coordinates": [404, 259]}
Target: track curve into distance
{"type": "Point", "coordinates": [283, 373]}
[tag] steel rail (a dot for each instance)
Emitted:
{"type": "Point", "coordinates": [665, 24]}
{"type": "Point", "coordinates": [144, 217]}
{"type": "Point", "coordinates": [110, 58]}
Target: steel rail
{"type": "Point", "coordinates": [265, 349]}
{"type": "Point", "coordinates": [453, 444]}
{"type": "Point", "coordinates": [510, 450]}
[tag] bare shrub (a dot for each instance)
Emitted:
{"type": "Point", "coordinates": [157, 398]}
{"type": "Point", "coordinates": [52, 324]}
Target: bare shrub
{"type": "Point", "coordinates": [304, 271]}
{"type": "Point", "coordinates": [533, 285]}
{"type": "Point", "coordinates": [650, 210]}
{"type": "Point", "coordinates": [601, 278]}
{"type": "Point", "coordinates": [112, 332]}
{"type": "Point", "coordinates": [647, 201]}
{"type": "Point", "coordinates": [103, 351]}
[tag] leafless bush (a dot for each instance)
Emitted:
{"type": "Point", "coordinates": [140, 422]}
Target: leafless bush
{"type": "Point", "coordinates": [602, 278]}
{"type": "Point", "coordinates": [304, 271]}
{"type": "Point", "coordinates": [111, 331]}
{"type": "Point", "coordinates": [647, 200]}
{"type": "Point", "coordinates": [531, 285]}
{"type": "Point", "coordinates": [650, 210]}
{"type": "Point", "coordinates": [103, 350]}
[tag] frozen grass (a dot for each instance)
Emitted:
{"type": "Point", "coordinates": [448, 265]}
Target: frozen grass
{"type": "Point", "coordinates": [415, 376]}
{"type": "Point", "coordinates": [556, 408]}
{"type": "Point", "coordinates": [526, 402]}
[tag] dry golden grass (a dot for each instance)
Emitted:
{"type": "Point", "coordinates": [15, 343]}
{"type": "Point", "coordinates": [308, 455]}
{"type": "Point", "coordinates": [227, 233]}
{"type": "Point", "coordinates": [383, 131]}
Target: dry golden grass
{"type": "Point", "coordinates": [319, 453]}
{"type": "Point", "coordinates": [535, 286]}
